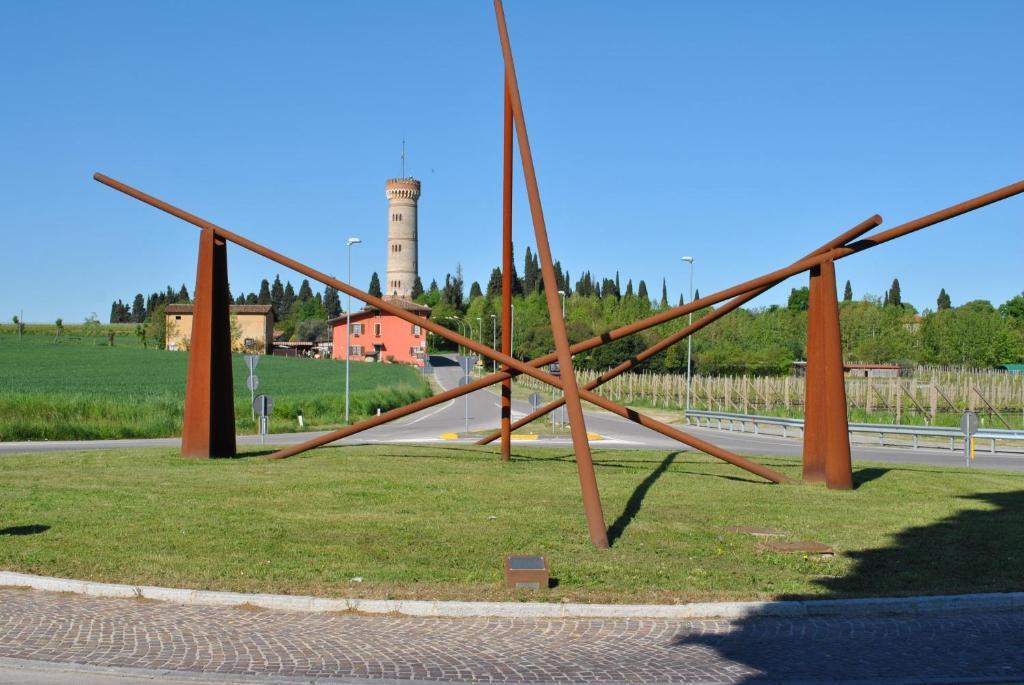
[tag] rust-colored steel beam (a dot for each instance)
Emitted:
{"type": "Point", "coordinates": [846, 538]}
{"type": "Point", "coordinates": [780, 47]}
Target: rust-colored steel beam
{"type": "Point", "coordinates": [838, 467]}
{"type": "Point", "coordinates": [814, 385]}
{"type": "Point", "coordinates": [208, 428]}
{"type": "Point", "coordinates": [506, 276]}
{"type": "Point", "coordinates": [950, 212]}
{"type": "Point", "coordinates": [515, 365]}
{"type": "Point", "coordinates": [577, 422]}
{"type": "Point", "coordinates": [341, 286]}
{"type": "Point", "coordinates": [855, 232]}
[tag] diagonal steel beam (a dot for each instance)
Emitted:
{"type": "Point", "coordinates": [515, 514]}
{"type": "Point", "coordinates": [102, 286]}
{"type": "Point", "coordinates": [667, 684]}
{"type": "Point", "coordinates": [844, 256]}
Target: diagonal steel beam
{"type": "Point", "coordinates": [855, 232]}
{"type": "Point", "coordinates": [917, 224]}
{"type": "Point", "coordinates": [577, 422]}
{"type": "Point", "coordinates": [515, 365]}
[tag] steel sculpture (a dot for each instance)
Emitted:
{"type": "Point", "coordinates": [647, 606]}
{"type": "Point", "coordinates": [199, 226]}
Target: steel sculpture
{"type": "Point", "coordinates": [209, 419]}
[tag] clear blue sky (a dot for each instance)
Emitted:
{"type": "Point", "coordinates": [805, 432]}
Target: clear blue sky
{"type": "Point", "coordinates": [742, 133]}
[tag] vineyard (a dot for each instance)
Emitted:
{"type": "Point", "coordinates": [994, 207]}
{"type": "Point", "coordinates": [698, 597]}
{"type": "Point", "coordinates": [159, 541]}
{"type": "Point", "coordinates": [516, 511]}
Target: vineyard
{"type": "Point", "coordinates": [929, 396]}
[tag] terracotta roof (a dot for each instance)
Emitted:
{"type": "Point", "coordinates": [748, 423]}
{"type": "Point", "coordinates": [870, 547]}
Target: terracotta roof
{"type": "Point", "coordinates": [234, 309]}
{"type": "Point", "coordinates": [414, 307]}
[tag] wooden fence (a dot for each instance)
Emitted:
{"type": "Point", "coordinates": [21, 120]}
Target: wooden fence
{"type": "Point", "coordinates": [926, 394]}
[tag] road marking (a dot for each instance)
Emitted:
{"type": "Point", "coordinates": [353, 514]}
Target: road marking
{"type": "Point", "coordinates": [524, 436]}
{"type": "Point", "coordinates": [449, 436]}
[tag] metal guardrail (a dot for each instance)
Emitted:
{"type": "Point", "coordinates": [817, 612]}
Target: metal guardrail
{"type": "Point", "coordinates": [730, 421]}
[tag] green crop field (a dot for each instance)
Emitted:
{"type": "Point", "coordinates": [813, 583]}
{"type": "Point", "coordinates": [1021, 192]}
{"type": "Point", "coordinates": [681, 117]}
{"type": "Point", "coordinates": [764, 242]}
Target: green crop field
{"type": "Point", "coordinates": [435, 522]}
{"type": "Point", "coordinates": [81, 388]}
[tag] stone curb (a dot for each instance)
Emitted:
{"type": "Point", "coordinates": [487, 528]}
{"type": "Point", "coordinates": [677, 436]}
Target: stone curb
{"type": "Point", "coordinates": [789, 609]}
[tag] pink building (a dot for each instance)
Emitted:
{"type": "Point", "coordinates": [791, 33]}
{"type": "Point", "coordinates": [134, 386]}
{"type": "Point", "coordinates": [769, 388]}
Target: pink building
{"type": "Point", "coordinates": [381, 337]}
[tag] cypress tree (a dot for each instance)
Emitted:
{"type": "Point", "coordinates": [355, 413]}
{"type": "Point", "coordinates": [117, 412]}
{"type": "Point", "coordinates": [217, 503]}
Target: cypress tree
{"type": "Point", "coordinates": [417, 288]}
{"type": "Point", "coordinates": [529, 273]}
{"type": "Point", "coordinates": [332, 303]}
{"type": "Point", "coordinates": [629, 287]}
{"type": "Point", "coordinates": [289, 297]}
{"type": "Point", "coordinates": [264, 296]}
{"type": "Point", "coordinates": [305, 292]}
{"type": "Point", "coordinates": [848, 292]}
{"type": "Point", "coordinates": [494, 284]}
{"type": "Point", "coordinates": [374, 288]}
{"type": "Point", "coordinates": [681, 301]}
{"type": "Point", "coordinates": [894, 294]}
{"type": "Point", "coordinates": [474, 291]}
{"type": "Point", "coordinates": [251, 299]}
{"type": "Point", "coordinates": [943, 301]}
{"type": "Point", "coordinates": [641, 290]}
{"type": "Point", "coordinates": [138, 309]}
{"type": "Point", "coordinates": [277, 298]}
{"type": "Point", "coordinates": [664, 294]}
{"type": "Point", "coordinates": [182, 295]}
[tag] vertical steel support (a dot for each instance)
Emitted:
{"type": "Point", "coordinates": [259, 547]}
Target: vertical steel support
{"type": "Point", "coordinates": [838, 469]}
{"type": "Point", "coordinates": [814, 406]}
{"type": "Point", "coordinates": [209, 421]}
{"type": "Point", "coordinates": [506, 278]}
{"type": "Point", "coordinates": [577, 424]}
{"type": "Point", "coordinates": [826, 427]}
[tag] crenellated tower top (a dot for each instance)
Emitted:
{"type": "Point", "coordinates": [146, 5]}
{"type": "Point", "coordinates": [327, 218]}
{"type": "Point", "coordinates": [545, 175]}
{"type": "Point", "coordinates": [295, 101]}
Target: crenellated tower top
{"type": "Point", "coordinates": [402, 189]}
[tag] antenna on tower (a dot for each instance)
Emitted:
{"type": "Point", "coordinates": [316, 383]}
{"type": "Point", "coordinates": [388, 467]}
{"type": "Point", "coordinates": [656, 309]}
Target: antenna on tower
{"type": "Point", "coordinates": [403, 157]}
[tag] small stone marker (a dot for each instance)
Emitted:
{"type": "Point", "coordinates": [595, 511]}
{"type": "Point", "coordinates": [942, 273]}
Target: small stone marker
{"type": "Point", "coordinates": [760, 532]}
{"type": "Point", "coordinates": [805, 547]}
{"type": "Point", "coordinates": [526, 572]}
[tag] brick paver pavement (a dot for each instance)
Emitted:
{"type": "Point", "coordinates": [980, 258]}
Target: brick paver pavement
{"type": "Point", "coordinates": [125, 633]}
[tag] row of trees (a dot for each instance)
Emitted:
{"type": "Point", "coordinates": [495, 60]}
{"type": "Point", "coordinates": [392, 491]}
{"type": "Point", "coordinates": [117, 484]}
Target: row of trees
{"type": "Point", "coordinates": [764, 341]}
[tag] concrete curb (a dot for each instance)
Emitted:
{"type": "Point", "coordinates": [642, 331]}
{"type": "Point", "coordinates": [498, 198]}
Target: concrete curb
{"type": "Point", "coordinates": [884, 606]}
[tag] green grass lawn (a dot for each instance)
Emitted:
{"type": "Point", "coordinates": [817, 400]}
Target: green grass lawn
{"type": "Point", "coordinates": [82, 388]}
{"type": "Point", "coordinates": [434, 522]}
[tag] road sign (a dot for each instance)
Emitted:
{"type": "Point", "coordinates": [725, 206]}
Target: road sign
{"type": "Point", "coordinates": [535, 400]}
{"type": "Point", "coordinates": [252, 382]}
{"type": "Point", "coordinates": [263, 404]}
{"type": "Point", "coordinates": [969, 423]}
{"type": "Point", "coordinates": [251, 360]}
{"type": "Point", "coordinates": [466, 363]}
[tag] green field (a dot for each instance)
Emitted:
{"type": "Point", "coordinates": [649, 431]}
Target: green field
{"type": "Point", "coordinates": [434, 522]}
{"type": "Point", "coordinates": [81, 388]}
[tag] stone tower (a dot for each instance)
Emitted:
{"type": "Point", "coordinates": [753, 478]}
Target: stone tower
{"type": "Point", "coordinates": [403, 262]}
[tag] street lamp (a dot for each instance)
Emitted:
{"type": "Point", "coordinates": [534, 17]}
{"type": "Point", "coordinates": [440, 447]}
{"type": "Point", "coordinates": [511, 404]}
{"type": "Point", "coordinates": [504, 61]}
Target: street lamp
{"type": "Point", "coordinates": [458, 322]}
{"type": "Point", "coordinates": [348, 323]}
{"type": "Point", "coordinates": [494, 341]}
{"type": "Point", "coordinates": [689, 340]}
{"type": "Point", "coordinates": [562, 293]}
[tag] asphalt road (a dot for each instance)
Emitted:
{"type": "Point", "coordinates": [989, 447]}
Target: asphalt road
{"type": "Point", "coordinates": [483, 410]}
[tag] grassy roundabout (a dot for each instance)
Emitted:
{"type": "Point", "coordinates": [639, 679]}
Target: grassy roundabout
{"type": "Point", "coordinates": [434, 522]}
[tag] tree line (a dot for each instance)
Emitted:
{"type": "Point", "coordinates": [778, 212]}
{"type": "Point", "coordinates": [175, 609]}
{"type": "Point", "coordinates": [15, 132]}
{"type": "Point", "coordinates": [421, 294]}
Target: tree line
{"type": "Point", "coordinates": [764, 341]}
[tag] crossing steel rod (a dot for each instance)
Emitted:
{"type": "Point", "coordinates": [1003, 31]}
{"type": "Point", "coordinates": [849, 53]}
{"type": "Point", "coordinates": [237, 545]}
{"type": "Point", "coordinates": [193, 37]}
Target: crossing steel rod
{"type": "Point", "coordinates": [638, 359]}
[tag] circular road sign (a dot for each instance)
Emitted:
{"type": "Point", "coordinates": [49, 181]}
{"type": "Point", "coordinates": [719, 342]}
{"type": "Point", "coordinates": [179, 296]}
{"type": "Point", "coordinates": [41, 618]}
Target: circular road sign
{"type": "Point", "coordinates": [263, 404]}
{"type": "Point", "coordinates": [252, 382]}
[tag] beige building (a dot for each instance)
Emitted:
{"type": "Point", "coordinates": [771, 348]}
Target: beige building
{"type": "Point", "coordinates": [403, 259]}
{"type": "Point", "coordinates": [252, 327]}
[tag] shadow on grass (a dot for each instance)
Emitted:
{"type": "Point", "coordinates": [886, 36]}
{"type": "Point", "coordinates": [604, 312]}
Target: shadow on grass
{"type": "Point", "coordinates": [973, 550]}
{"type": "Point", "coordinates": [866, 475]}
{"type": "Point", "coordinates": [33, 529]}
{"type": "Point", "coordinates": [636, 500]}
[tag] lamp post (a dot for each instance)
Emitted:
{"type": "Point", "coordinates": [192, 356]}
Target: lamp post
{"type": "Point", "coordinates": [689, 341]}
{"type": "Point", "coordinates": [348, 323]}
{"type": "Point", "coordinates": [562, 293]}
{"type": "Point", "coordinates": [494, 341]}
